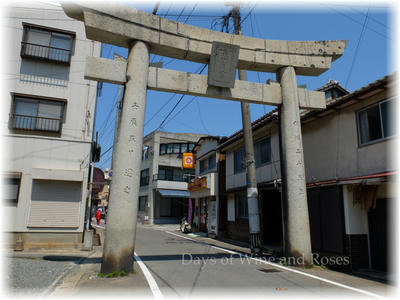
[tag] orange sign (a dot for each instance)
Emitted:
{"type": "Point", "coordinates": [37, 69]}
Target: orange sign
{"type": "Point", "coordinates": [188, 160]}
{"type": "Point", "coordinates": [197, 184]}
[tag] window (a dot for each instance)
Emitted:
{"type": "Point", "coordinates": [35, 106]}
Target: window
{"type": "Point", "coordinates": [142, 203]}
{"type": "Point", "coordinates": [176, 148]}
{"type": "Point", "coordinates": [239, 160]}
{"type": "Point", "coordinates": [208, 163]}
{"type": "Point", "coordinates": [191, 146]}
{"type": "Point", "coordinates": [376, 122]}
{"type": "Point", "coordinates": [262, 151]}
{"type": "Point", "coordinates": [203, 165]}
{"type": "Point", "coordinates": [184, 148]}
{"type": "Point", "coordinates": [36, 114]}
{"type": "Point", "coordinates": [163, 149]}
{"type": "Point", "coordinates": [10, 186]}
{"type": "Point", "coordinates": [170, 147]}
{"type": "Point", "coordinates": [46, 44]}
{"type": "Point", "coordinates": [328, 94]}
{"type": "Point", "coordinates": [174, 174]}
{"type": "Point", "coordinates": [241, 205]}
{"type": "Point", "coordinates": [144, 177]}
{"type": "Point", "coordinates": [212, 162]}
{"type": "Point", "coordinates": [145, 152]}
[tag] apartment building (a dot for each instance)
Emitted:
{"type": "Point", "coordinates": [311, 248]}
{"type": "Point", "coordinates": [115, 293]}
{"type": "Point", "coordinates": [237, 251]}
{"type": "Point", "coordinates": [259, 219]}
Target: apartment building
{"type": "Point", "coordinates": [47, 119]}
{"type": "Point", "coordinates": [349, 150]}
{"type": "Point", "coordinates": [163, 193]}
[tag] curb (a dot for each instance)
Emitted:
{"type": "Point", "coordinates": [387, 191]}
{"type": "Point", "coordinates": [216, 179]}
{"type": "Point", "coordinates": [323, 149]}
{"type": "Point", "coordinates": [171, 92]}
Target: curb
{"type": "Point", "coordinates": [71, 281]}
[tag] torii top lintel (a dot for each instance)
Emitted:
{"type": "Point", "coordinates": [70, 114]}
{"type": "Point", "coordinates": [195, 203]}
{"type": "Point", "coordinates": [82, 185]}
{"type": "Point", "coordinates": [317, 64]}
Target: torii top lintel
{"type": "Point", "coordinates": [119, 25]}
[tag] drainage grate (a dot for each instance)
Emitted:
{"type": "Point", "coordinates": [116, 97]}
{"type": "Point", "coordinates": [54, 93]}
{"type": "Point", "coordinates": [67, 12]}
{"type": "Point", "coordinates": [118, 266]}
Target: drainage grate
{"type": "Point", "coordinates": [269, 270]}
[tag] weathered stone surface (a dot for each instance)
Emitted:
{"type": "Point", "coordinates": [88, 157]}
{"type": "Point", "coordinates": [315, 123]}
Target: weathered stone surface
{"type": "Point", "coordinates": [222, 67]}
{"type": "Point", "coordinates": [119, 25]}
{"type": "Point", "coordinates": [106, 70]}
{"type": "Point", "coordinates": [110, 71]}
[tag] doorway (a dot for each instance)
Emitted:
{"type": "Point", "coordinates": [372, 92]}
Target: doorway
{"type": "Point", "coordinates": [378, 234]}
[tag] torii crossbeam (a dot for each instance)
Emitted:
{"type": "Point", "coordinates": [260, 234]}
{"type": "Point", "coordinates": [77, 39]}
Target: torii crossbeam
{"type": "Point", "coordinates": [145, 33]}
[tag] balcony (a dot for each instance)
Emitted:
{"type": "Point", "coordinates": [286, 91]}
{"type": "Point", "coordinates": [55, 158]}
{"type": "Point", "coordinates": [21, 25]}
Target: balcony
{"type": "Point", "coordinates": [46, 53]}
{"type": "Point", "coordinates": [34, 123]}
{"type": "Point", "coordinates": [182, 178]}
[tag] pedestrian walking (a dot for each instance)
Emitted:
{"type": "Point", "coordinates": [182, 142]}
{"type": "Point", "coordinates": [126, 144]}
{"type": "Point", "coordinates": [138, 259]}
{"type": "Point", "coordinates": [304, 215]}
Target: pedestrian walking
{"type": "Point", "coordinates": [98, 216]}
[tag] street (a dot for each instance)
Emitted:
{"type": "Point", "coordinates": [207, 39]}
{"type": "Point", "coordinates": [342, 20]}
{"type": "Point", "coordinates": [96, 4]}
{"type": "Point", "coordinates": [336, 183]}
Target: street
{"type": "Point", "coordinates": [184, 267]}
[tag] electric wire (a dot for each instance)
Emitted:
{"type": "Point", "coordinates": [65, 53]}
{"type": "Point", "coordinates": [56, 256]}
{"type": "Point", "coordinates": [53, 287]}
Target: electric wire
{"type": "Point", "coordinates": [165, 104]}
{"type": "Point", "coordinates": [356, 21]}
{"type": "Point", "coordinates": [357, 48]}
{"type": "Point", "coordinates": [177, 103]}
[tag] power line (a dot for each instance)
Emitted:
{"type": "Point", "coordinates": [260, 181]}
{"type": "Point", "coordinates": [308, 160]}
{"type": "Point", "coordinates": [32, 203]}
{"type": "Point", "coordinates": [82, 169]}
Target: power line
{"type": "Point", "coordinates": [188, 16]}
{"type": "Point", "coordinates": [358, 45]}
{"type": "Point", "coordinates": [200, 117]}
{"type": "Point", "coordinates": [165, 104]}
{"type": "Point", "coordinates": [194, 7]}
{"type": "Point", "coordinates": [177, 103]}
{"type": "Point", "coordinates": [356, 21]}
{"type": "Point", "coordinates": [173, 117]}
{"type": "Point", "coordinates": [105, 122]}
{"type": "Point", "coordinates": [184, 7]}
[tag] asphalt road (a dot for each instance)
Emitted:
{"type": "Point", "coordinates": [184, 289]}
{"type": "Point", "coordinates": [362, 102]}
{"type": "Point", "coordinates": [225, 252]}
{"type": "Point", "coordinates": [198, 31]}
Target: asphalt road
{"type": "Point", "coordinates": [183, 267]}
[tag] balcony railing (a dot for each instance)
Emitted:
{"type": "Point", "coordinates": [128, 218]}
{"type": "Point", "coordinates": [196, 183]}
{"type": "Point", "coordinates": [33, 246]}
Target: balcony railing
{"type": "Point", "coordinates": [45, 53]}
{"type": "Point", "coordinates": [35, 123]}
{"type": "Point", "coordinates": [182, 178]}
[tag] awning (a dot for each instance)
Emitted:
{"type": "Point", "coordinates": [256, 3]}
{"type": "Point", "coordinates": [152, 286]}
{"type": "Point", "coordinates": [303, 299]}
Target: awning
{"type": "Point", "coordinates": [174, 193]}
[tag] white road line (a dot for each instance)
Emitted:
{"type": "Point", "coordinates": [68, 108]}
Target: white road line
{"type": "Point", "coordinates": [150, 280]}
{"type": "Point", "coordinates": [226, 250]}
{"type": "Point", "coordinates": [184, 237]}
{"type": "Point", "coordinates": [294, 271]}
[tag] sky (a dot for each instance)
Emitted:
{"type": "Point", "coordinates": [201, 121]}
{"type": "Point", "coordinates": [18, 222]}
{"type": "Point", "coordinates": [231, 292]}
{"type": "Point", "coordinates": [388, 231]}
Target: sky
{"type": "Point", "coordinates": [370, 29]}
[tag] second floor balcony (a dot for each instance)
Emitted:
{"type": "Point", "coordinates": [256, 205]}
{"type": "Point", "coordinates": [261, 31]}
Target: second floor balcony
{"type": "Point", "coordinates": [34, 123]}
{"type": "Point", "coordinates": [47, 53]}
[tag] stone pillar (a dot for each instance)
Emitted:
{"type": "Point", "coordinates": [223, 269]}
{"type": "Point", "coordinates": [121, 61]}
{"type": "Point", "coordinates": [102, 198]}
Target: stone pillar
{"type": "Point", "coordinates": [295, 207]}
{"type": "Point", "coordinates": [120, 233]}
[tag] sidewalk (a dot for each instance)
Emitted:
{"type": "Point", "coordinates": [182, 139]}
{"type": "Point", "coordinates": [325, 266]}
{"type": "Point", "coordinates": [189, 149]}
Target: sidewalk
{"type": "Point", "coordinates": [85, 281]}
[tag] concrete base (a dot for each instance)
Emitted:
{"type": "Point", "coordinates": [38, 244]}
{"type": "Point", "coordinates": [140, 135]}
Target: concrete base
{"type": "Point", "coordinates": [88, 240]}
{"type": "Point", "coordinates": [44, 240]}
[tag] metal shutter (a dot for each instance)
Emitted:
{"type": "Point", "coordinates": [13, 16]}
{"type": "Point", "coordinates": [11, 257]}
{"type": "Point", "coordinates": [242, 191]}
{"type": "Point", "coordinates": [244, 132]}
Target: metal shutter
{"type": "Point", "coordinates": [55, 203]}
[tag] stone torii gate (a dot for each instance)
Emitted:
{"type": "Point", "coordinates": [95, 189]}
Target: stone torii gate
{"type": "Point", "coordinates": [145, 33]}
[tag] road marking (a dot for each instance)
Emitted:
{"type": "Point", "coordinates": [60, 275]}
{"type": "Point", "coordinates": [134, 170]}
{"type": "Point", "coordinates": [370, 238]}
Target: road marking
{"type": "Point", "coordinates": [291, 270]}
{"type": "Point", "coordinates": [226, 250]}
{"type": "Point", "coordinates": [150, 279]}
{"type": "Point", "coordinates": [184, 237]}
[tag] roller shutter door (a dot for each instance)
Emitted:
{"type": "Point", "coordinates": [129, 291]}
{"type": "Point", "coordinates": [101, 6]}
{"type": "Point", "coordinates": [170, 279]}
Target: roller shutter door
{"type": "Point", "coordinates": [55, 203]}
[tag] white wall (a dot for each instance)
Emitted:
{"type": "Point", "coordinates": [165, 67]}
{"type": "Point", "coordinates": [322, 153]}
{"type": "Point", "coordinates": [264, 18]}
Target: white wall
{"type": "Point", "coordinates": [62, 155]}
{"type": "Point", "coordinates": [331, 146]}
{"type": "Point", "coordinates": [264, 173]}
{"type": "Point", "coordinates": [355, 216]}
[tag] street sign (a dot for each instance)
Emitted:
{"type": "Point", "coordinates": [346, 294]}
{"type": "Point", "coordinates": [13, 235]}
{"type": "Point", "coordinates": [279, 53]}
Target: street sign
{"type": "Point", "coordinates": [188, 160]}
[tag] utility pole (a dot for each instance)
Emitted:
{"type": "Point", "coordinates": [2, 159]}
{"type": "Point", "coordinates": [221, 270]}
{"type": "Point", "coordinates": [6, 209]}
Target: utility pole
{"type": "Point", "coordinates": [252, 191]}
